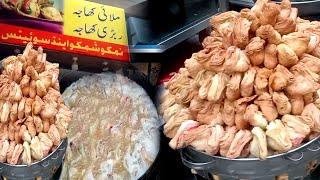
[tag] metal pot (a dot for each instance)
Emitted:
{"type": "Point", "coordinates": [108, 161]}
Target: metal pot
{"type": "Point", "coordinates": [67, 77]}
{"type": "Point", "coordinates": [45, 169]}
{"type": "Point", "coordinates": [294, 163]}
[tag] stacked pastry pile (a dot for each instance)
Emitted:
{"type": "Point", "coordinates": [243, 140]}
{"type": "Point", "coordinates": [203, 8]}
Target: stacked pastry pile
{"type": "Point", "coordinates": [253, 89]}
{"type": "Point", "coordinates": [33, 117]}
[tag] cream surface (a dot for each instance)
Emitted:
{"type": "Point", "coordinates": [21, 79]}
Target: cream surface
{"type": "Point", "coordinates": [114, 133]}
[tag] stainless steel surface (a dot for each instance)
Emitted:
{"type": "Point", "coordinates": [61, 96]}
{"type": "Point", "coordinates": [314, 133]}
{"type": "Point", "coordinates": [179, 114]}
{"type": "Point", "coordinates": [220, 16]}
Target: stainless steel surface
{"type": "Point", "coordinates": [155, 32]}
{"type": "Point", "coordinates": [45, 168]}
{"type": "Point", "coordinates": [173, 40]}
{"type": "Point", "coordinates": [223, 5]}
{"type": "Point", "coordinates": [242, 3]}
{"type": "Point", "coordinates": [293, 162]}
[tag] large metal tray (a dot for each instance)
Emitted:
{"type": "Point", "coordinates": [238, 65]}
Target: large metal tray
{"type": "Point", "coordinates": [45, 169]}
{"type": "Point", "coordinates": [294, 163]}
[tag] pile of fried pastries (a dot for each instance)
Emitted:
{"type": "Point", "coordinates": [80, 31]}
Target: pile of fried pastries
{"type": "Point", "coordinates": [253, 90]}
{"type": "Point", "coordinates": [33, 118]}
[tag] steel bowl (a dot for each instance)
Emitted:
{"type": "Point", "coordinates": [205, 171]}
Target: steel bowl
{"type": "Point", "coordinates": [45, 169]}
{"type": "Point", "coordinates": [294, 163]}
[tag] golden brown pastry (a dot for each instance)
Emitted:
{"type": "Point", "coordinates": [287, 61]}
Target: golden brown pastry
{"type": "Point", "coordinates": [228, 113]}
{"type": "Point", "coordinates": [4, 147]}
{"type": "Point", "coordinates": [215, 63]}
{"type": "Point", "coordinates": [309, 98]}
{"type": "Point", "coordinates": [267, 32]}
{"type": "Point", "coordinates": [236, 60]}
{"type": "Point", "coordinates": [282, 103]}
{"type": "Point", "coordinates": [265, 103]}
{"type": "Point", "coordinates": [190, 133]}
{"type": "Point", "coordinates": [301, 86]}
{"type": "Point", "coordinates": [178, 140]}
{"type": "Point", "coordinates": [217, 132]}
{"type": "Point", "coordinates": [258, 6]}
{"type": "Point", "coordinates": [297, 41]}
{"type": "Point", "coordinates": [224, 24]}
{"type": "Point", "coordinates": [286, 21]}
{"type": "Point", "coordinates": [286, 56]}
{"type": "Point", "coordinates": [247, 82]}
{"type": "Point", "coordinates": [217, 87]}
{"type": "Point", "coordinates": [269, 15]}
{"type": "Point", "coordinates": [255, 51]}
{"type": "Point", "coordinates": [280, 79]}
{"type": "Point", "coordinates": [312, 62]}
{"type": "Point", "coordinates": [203, 56]}
{"type": "Point", "coordinates": [212, 41]}
{"type": "Point", "coordinates": [240, 140]}
{"type": "Point", "coordinates": [193, 66]}
{"type": "Point", "coordinates": [278, 137]}
{"type": "Point", "coordinates": [306, 79]}
{"type": "Point", "coordinates": [51, 13]}
{"type": "Point", "coordinates": [270, 56]}
{"type": "Point", "coordinates": [208, 61]}
{"type": "Point", "coordinates": [312, 112]}
{"type": "Point", "coordinates": [240, 108]}
{"type": "Point", "coordinates": [297, 104]}
{"type": "Point", "coordinates": [258, 145]}
{"type": "Point", "coordinates": [255, 117]}
{"type": "Point", "coordinates": [18, 149]}
{"type": "Point", "coordinates": [26, 155]}
{"type": "Point", "coordinates": [222, 18]}
{"type": "Point", "coordinates": [233, 87]}
{"type": "Point", "coordinates": [178, 80]}
{"type": "Point", "coordinates": [302, 69]}
{"type": "Point", "coordinates": [241, 32]}
{"type": "Point", "coordinates": [204, 88]}
{"type": "Point", "coordinates": [251, 16]}
{"type": "Point", "coordinates": [211, 114]}
{"type": "Point", "coordinates": [196, 104]}
{"type": "Point", "coordinates": [227, 139]}
{"type": "Point", "coordinates": [166, 101]}
{"type": "Point", "coordinates": [261, 80]}
{"type": "Point", "coordinates": [202, 76]}
{"type": "Point", "coordinates": [173, 124]}
{"type": "Point", "coordinates": [296, 129]}
{"type": "Point", "coordinates": [317, 98]}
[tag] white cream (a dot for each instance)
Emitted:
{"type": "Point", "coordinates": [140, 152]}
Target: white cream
{"type": "Point", "coordinates": [119, 128]}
